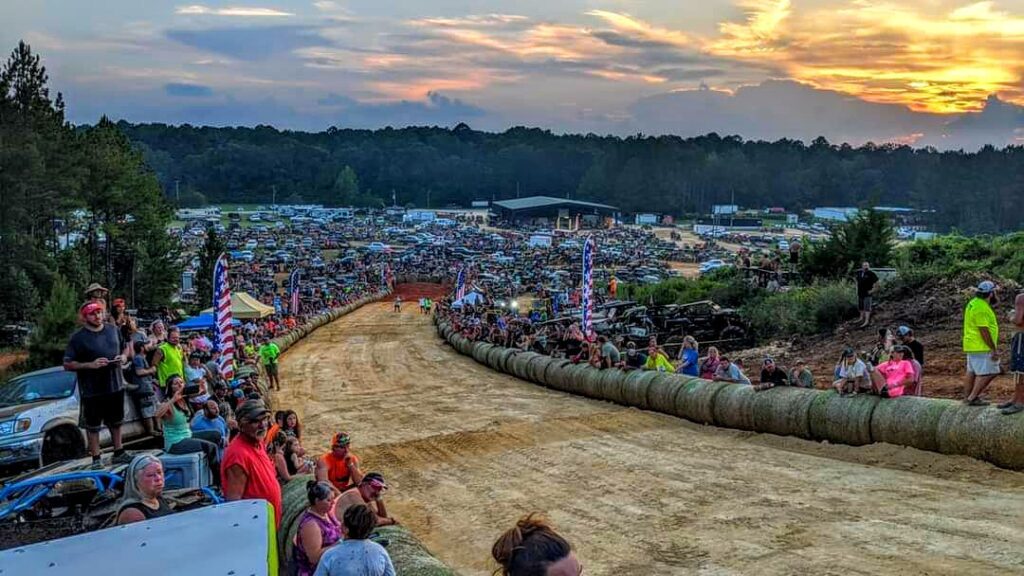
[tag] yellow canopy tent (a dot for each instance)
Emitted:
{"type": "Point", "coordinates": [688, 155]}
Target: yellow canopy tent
{"type": "Point", "coordinates": [244, 307]}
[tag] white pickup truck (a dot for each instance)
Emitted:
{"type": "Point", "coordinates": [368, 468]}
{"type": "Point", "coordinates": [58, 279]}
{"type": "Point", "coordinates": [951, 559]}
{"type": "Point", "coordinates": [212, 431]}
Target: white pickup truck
{"type": "Point", "coordinates": [39, 419]}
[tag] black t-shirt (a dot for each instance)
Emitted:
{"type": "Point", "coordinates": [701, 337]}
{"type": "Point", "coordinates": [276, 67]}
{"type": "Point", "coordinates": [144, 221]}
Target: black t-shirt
{"type": "Point", "coordinates": [777, 377]}
{"type": "Point", "coordinates": [918, 349]}
{"type": "Point", "coordinates": [865, 282]}
{"type": "Point", "coordinates": [86, 346]}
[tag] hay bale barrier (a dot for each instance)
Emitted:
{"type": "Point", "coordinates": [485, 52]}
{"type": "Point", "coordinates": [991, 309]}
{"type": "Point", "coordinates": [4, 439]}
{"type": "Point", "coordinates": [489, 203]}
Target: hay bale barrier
{"type": "Point", "coordinates": [842, 420]}
{"type": "Point", "coordinates": [910, 421]}
{"type": "Point", "coordinates": [925, 423]}
{"type": "Point", "coordinates": [409, 556]}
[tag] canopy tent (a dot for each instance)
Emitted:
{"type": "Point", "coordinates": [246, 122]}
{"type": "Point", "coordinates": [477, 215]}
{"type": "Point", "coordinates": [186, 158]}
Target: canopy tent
{"type": "Point", "coordinates": [204, 321]}
{"type": "Point", "coordinates": [472, 298]}
{"type": "Point", "coordinates": [245, 307]}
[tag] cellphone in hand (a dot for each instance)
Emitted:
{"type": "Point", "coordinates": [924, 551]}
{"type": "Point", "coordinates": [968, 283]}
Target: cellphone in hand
{"type": "Point", "coordinates": [192, 390]}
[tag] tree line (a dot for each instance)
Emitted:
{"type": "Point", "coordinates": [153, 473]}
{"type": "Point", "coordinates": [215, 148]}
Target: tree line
{"type": "Point", "coordinates": [970, 192]}
{"type": "Point", "coordinates": [77, 205]}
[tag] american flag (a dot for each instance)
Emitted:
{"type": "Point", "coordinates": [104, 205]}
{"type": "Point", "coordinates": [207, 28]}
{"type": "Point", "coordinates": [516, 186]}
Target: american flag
{"type": "Point", "coordinates": [222, 317]}
{"type": "Point", "coordinates": [293, 290]}
{"type": "Point", "coordinates": [460, 284]}
{"type": "Point", "coordinates": [588, 285]}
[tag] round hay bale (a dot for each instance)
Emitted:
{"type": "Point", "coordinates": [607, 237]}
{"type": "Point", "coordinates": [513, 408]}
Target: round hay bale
{"type": "Point", "coordinates": [467, 346]}
{"type": "Point", "coordinates": [909, 421]}
{"type": "Point", "coordinates": [480, 351]}
{"type": "Point", "coordinates": [634, 389]}
{"type": "Point", "coordinates": [409, 556]}
{"type": "Point", "coordinates": [557, 373]}
{"type": "Point", "coordinates": [293, 503]}
{"type": "Point", "coordinates": [612, 384]}
{"type": "Point", "coordinates": [784, 411]}
{"type": "Point", "coordinates": [574, 378]}
{"type": "Point", "coordinates": [589, 382]}
{"type": "Point", "coordinates": [695, 401]}
{"type": "Point", "coordinates": [982, 433]}
{"type": "Point", "coordinates": [842, 420]}
{"type": "Point", "coordinates": [494, 357]}
{"type": "Point", "coordinates": [520, 363]}
{"type": "Point", "coordinates": [535, 368]}
{"type": "Point", "coordinates": [661, 394]}
{"type": "Point", "coordinates": [734, 407]}
{"type": "Point", "coordinates": [504, 358]}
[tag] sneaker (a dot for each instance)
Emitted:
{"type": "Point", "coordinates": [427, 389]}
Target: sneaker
{"type": "Point", "coordinates": [1012, 409]}
{"type": "Point", "coordinates": [977, 402]}
{"type": "Point", "coordinates": [122, 458]}
{"type": "Point", "coordinates": [97, 465]}
{"type": "Point", "coordinates": [1004, 405]}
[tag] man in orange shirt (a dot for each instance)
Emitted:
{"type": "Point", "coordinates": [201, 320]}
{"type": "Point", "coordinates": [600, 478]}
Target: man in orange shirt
{"type": "Point", "coordinates": [340, 467]}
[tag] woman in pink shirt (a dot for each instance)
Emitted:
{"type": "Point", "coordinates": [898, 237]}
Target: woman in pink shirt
{"type": "Point", "coordinates": [890, 377]}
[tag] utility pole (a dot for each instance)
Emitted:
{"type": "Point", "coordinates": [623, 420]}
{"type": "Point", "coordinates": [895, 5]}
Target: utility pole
{"type": "Point", "coordinates": [517, 188]}
{"type": "Point", "coordinates": [177, 193]}
{"type": "Point", "coordinates": [274, 197]}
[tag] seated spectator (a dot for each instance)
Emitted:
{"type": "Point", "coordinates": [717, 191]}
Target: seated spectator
{"type": "Point", "coordinates": [318, 530]}
{"type": "Point", "coordinates": [221, 393]}
{"type": "Point", "coordinates": [730, 372]}
{"type": "Point", "coordinates": [771, 376]}
{"type": "Point", "coordinates": [595, 359]}
{"type": "Point", "coordinates": [635, 359]}
{"type": "Point", "coordinates": [891, 377]}
{"type": "Point", "coordinates": [658, 360]}
{"type": "Point", "coordinates": [275, 427]}
{"type": "Point", "coordinates": [369, 491]}
{"type": "Point", "coordinates": [290, 424]}
{"type": "Point", "coordinates": [178, 437]}
{"type": "Point", "coordinates": [533, 548]}
{"type": "Point", "coordinates": [709, 365]}
{"type": "Point", "coordinates": [295, 458]}
{"type": "Point", "coordinates": [583, 355]}
{"type": "Point", "coordinates": [882, 348]}
{"type": "Point", "coordinates": [356, 554]}
{"type": "Point", "coordinates": [143, 491]}
{"type": "Point", "coordinates": [851, 374]}
{"type": "Point", "coordinates": [340, 467]}
{"type": "Point", "coordinates": [275, 450]}
{"type": "Point", "coordinates": [800, 376]}
{"type": "Point", "coordinates": [209, 419]}
{"type": "Point", "coordinates": [689, 360]}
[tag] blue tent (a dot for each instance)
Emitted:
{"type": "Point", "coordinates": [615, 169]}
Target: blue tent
{"type": "Point", "coordinates": [202, 322]}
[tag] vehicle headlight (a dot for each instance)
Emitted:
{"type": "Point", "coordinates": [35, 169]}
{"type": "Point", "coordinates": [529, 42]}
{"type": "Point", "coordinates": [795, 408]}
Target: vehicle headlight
{"type": "Point", "coordinates": [22, 425]}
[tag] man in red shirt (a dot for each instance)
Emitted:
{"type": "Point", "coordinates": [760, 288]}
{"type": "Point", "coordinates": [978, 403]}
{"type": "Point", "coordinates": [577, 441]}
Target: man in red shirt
{"type": "Point", "coordinates": [246, 470]}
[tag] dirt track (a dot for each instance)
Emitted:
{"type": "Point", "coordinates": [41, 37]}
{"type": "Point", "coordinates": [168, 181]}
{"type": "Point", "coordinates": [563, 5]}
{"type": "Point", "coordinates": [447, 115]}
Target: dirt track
{"type": "Point", "coordinates": [468, 450]}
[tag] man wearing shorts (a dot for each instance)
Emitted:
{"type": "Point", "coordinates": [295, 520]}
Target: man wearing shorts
{"type": "Point", "coordinates": [866, 280]}
{"type": "Point", "coordinates": [95, 353]}
{"type": "Point", "coordinates": [1016, 405]}
{"type": "Point", "coordinates": [980, 342]}
{"type": "Point", "coordinates": [268, 355]}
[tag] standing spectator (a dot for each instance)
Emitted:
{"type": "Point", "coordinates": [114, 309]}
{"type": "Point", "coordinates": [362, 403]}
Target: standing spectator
{"type": "Point", "coordinates": [906, 337]}
{"type": "Point", "coordinates": [268, 356]}
{"type": "Point", "coordinates": [800, 376]}
{"type": "Point", "coordinates": [1016, 404]}
{"type": "Point", "coordinates": [95, 353]}
{"type": "Point", "coordinates": [533, 548]}
{"type": "Point", "coordinates": [98, 294]}
{"type": "Point", "coordinates": [398, 303]}
{"type": "Point", "coordinates": [169, 358]}
{"type": "Point", "coordinates": [980, 342]}
{"type": "Point", "coordinates": [689, 357]}
{"type": "Point", "coordinates": [144, 393]}
{"type": "Point", "coordinates": [866, 280]}
{"type": "Point", "coordinates": [356, 555]}
{"type": "Point", "coordinates": [246, 470]}
{"type": "Point", "coordinates": [709, 366]}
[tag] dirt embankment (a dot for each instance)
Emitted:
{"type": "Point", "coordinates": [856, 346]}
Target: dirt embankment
{"type": "Point", "coordinates": [468, 450]}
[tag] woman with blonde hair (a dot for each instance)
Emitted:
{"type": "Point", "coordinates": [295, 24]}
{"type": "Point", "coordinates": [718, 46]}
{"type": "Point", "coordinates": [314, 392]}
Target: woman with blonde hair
{"type": "Point", "coordinates": [709, 365]}
{"type": "Point", "coordinates": [689, 357]}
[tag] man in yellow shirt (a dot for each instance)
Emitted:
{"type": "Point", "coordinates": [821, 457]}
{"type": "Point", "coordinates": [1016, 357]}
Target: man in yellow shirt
{"type": "Point", "coordinates": [980, 342]}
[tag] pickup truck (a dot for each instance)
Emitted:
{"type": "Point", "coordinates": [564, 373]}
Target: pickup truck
{"type": "Point", "coordinates": [39, 414]}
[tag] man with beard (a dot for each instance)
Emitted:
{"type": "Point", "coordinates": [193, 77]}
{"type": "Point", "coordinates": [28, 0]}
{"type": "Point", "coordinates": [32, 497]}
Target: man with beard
{"type": "Point", "coordinates": [246, 470]}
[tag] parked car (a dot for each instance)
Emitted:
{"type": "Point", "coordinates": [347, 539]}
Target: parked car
{"type": "Point", "coordinates": [39, 419]}
{"type": "Point", "coordinates": [713, 264]}
{"type": "Point", "coordinates": [378, 247]}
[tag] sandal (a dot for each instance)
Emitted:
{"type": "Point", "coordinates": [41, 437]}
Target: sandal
{"type": "Point", "coordinates": [1005, 405]}
{"type": "Point", "coordinates": [977, 402]}
{"type": "Point", "coordinates": [1012, 409]}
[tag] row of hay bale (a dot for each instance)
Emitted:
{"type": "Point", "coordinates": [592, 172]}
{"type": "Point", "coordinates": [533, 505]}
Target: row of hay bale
{"type": "Point", "coordinates": [407, 553]}
{"type": "Point", "coordinates": [937, 425]}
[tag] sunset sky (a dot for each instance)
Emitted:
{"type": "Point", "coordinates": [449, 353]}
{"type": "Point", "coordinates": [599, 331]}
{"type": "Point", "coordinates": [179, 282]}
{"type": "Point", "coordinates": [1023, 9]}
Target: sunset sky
{"type": "Point", "coordinates": [940, 72]}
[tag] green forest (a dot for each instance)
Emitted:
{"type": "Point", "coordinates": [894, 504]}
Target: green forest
{"type": "Point", "coordinates": [970, 192]}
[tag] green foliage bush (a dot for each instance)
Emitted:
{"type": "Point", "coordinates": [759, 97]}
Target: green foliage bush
{"type": "Point", "coordinates": [802, 311]}
{"type": "Point", "coordinates": [869, 236]}
{"type": "Point", "coordinates": [56, 322]}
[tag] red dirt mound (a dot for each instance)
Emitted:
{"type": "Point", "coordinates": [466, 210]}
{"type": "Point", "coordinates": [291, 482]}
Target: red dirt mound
{"type": "Point", "coordinates": [417, 290]}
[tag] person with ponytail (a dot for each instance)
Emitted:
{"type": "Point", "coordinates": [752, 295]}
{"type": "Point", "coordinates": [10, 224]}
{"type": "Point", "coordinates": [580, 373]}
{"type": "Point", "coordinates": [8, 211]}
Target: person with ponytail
{"type": "Point", "coordinates": [533, 548]}
{"type": "Point", "coordinates": [357, 555]}
{"type": "Point", "coordinates": [318, 528]}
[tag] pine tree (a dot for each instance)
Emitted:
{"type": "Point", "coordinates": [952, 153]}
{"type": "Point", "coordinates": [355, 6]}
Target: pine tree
{"type": "Point", "coordinates": [55, 324]}
{"type": "Point", "coordinates": [213, 247]}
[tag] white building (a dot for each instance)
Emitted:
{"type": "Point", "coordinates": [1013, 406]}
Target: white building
{"type": "Point", "coordinates": [642, 219]}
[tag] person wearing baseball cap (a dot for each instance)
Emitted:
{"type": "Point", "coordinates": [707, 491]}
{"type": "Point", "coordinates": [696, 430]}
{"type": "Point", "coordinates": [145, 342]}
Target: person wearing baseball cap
{"type": "Point", "coordinates": [981, 343]}
{"type": "Point", "coordinates": [369, 491]}
{"type": "Point", "coordinates": [340, 466]}
{"type": "Point", "coordinates": [906, 337]}
{"type": "Point", "coordinates": [246, 470]}
{"type": "Point", "coordinates": [95, 354]}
